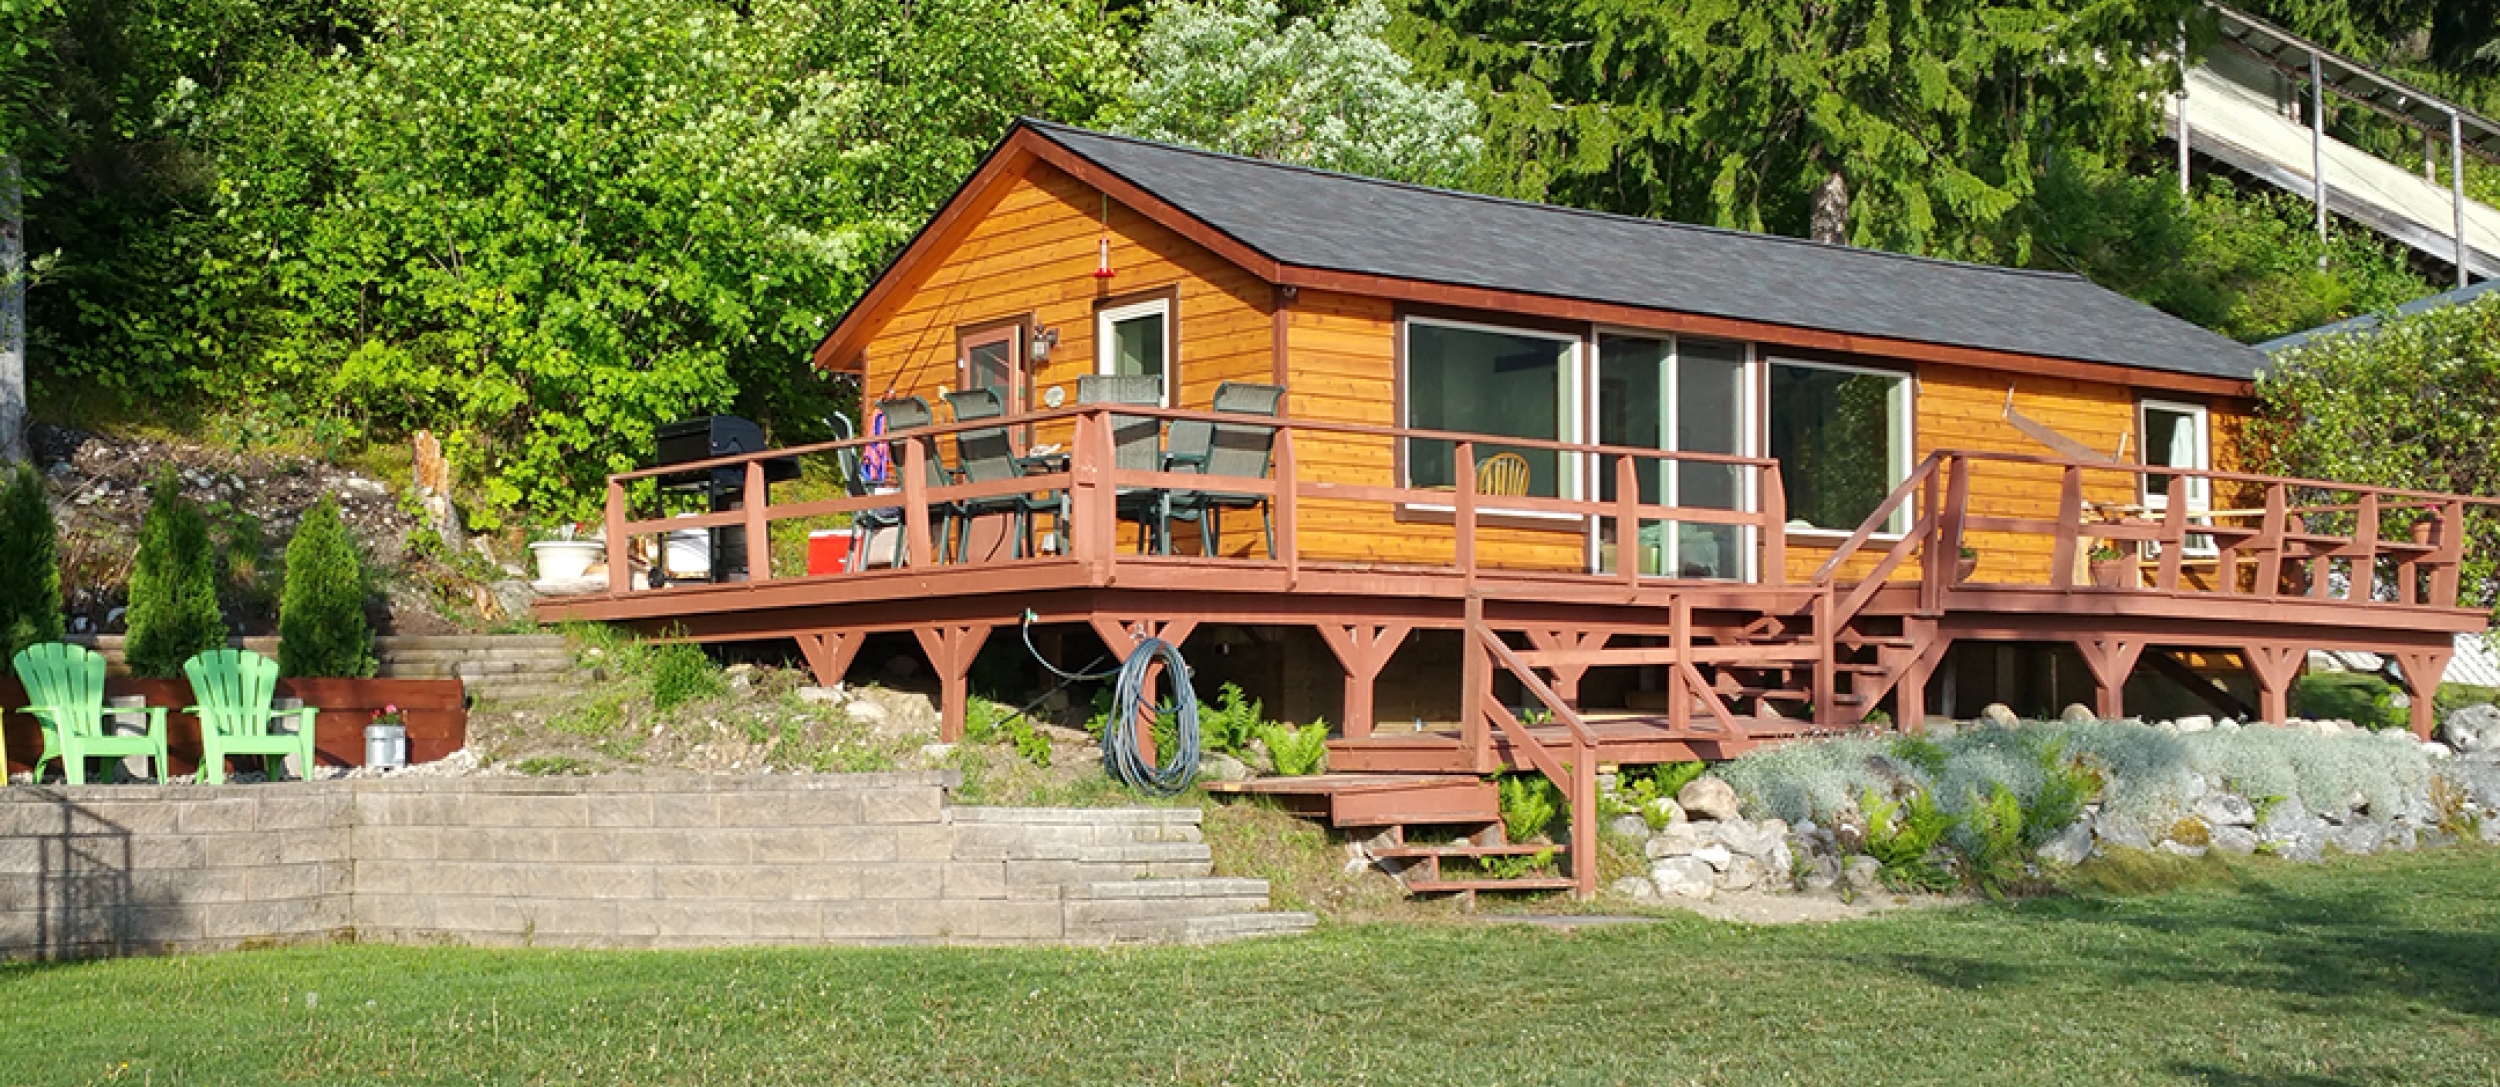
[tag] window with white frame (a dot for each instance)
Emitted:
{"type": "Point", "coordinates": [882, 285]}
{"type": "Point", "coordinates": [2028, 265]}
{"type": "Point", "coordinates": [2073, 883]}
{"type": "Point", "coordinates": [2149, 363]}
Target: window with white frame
{"type": "Point", "coordinates": [2179, 436]}
{"type": "Point", "coordinates": [1842, 438]}
{"type": "Point", "coordinates": [1683, 395]}
{"type": "Point", "coordinates": [1500, 382]}
{"type": "Point", "coordinates": [1135, 340]}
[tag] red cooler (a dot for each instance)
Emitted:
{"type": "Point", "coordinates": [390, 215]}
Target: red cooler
{"type": "Point", "coordinates": [828, 551]}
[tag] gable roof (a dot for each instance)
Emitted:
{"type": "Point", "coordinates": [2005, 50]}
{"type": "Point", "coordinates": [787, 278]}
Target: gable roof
{"type": "Point", "coordinates": [1297, 225]}
{"type": "Point", "coordinates": [2368, 321]}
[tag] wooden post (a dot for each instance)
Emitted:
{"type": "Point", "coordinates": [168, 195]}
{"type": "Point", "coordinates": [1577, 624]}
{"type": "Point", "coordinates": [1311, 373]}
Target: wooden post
{"type": "Point", "coordinates": [2173, 535]}
{"type": "Point", "coordinates": [1288, 524]}
{"type": "Point", "coordinates": [1680, 694]}
{"type": "Point", "coordinates": [1628, 522]}
{"type": "Point", "coordinates": [2069, 527]}
{"type": "Point", "coordinates": [829, 653]}
{"type": "Point", "coordinates": [2450, 556]}
{"type": "Point", "coordinates": [1583, 818]}
{"type": "Point", "coordinates": [2274, 666]}
{"type": "Point", "coordinates": [759, 527]}
{"type": "Point", "coordinates": [1826, 663]}
{"type": "Point", "coordinates": [1095, 536]}
{"type": "Point", "coordinates": [1464, 517]}
{"type": "Point", "coordinates": [1774, 526]}
{"type": "Point", "coordinates": [620, 550]}
{"type": "Point", "coordinates": [1476, 687]}
{"type": "Point", "coordinates": [916, 507]}
{"type": "Point", "coordinates": [2423, 669]}
{"type": "Point", "coordinates": [2111, 660]}
{"type": "Point", "coordinates": [2364, 582]}
{"type": "Point", "coordinates": [2270, 543]}
{"type": "Point", "coordinates": [950, 648]}
{"type": "Point", "coordinates": [1362, 649]}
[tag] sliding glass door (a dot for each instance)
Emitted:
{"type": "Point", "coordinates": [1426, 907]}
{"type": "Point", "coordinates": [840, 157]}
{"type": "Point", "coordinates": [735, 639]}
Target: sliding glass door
{"type": "Point", "coordinates": [1685, 396]}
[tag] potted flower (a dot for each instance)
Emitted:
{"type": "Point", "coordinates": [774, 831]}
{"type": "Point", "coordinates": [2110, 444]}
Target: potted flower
{"type": "Point", "coordinates": [386, 738]}
{"type": "Point", "coordinates": [2425, 528]}
{"type": "Point", "coordinates": [564, 554]}
{"type": "Point", "coordinates": [2111, 568]}
{"type": "Point", "coordinates": [1966, 565]}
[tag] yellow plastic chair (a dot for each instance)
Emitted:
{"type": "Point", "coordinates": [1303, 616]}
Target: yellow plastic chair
{"type": "Point", "coordinates": [1502, 474]}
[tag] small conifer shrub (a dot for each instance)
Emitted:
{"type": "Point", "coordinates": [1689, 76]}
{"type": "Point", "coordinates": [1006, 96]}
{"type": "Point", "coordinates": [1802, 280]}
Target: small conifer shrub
{"type": "Point", "coordinates": [321, 623]}
{"type": "Point", "coordinates": [173, 585]}
{"type": "Point", "coordinates": [30, 573]}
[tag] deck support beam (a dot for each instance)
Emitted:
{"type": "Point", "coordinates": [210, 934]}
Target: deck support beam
{"type": "Point", "coordinates": [1909, 690]}
{"type": "Point", "coordinates": [951, 647]}
{"type": "Point", "coordinates": [1567, 676]}
{"type": "Point", "coordinates": [829, 653]}
{"type": "Point", "coordinates": [1122, 637]}
{"type": "Point", "coordinates": [1362, 649]}
{"type": "Point", "coordinates": [2423, 669]}
{"type": "Point", "coordinates": [2274, 666]}
{"type": "Point", "coordinates": [2112, 660]}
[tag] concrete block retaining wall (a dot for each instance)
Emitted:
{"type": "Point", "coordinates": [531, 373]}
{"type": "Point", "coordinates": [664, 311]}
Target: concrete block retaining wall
{"type": "Point", "coordinates": [598, 862]}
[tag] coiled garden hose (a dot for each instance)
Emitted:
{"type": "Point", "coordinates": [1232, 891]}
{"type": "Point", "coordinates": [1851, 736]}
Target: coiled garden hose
{"type": "Point", "coordinates": [1121, 755]}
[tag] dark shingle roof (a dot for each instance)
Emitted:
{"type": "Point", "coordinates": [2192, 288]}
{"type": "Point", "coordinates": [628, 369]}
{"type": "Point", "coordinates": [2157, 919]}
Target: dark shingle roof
{"type": "Point", "coordinates": [1338, 222]}
{"type": "Point", "coordinates": [2368, 321]}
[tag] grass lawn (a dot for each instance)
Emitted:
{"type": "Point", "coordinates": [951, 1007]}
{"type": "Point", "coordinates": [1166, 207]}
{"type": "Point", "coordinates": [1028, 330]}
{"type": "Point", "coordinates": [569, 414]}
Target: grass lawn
{"type": "Point", "coordinates": [2383, 970]}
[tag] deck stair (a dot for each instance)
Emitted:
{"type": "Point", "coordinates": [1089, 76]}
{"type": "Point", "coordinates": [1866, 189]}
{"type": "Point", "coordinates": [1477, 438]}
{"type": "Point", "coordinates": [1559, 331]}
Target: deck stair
{"type": "Point", "coordinates": [1422, 820]}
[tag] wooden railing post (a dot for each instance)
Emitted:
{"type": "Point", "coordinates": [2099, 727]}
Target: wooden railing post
{"type": "Point", "coordinates": [915, 504]}
{"type": "Point", "coordinates": [2069, 528]}
{"type": "Point", "coordinates": [2450, 559]}
{"type": "Point", "coordinates": [1464, 516]}
{"type": "Point", "coordinates": [1288, 487]}
{"type": "Point", "coordinates": [2173, 534]}
{"type": "Point", "coordinates": [620, 549]}
{"type": "Point", "coordinates": [759, 527]}
{"type": "Point", "coordinates": [2270, 543]}
{"type": "Point", "coordinates": [1679, 696]}
{"type": "Point", "coordinates": [1627, 521]}
{"type": "Point", "coordinates": [1774, 526]}
{"type": "Point", "coordinates": [1476, 688]}
{"type": "Point", "coordinates": [2364, 582]}
{"type": "Point", "coordinates": [1095, 535]}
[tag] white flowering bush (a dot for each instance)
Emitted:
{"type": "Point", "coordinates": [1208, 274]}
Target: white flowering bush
{"type": "Point", "coordinates": [1326, 92]}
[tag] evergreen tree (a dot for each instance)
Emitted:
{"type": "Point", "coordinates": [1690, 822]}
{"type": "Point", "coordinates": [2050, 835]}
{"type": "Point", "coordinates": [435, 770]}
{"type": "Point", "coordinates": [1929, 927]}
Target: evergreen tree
{"type": "Point", "coordinates": [321, 625]}
{"type": "Point", "coordinates": [173, 585]}
{"type": "Point", "coordinates": [30, 577]}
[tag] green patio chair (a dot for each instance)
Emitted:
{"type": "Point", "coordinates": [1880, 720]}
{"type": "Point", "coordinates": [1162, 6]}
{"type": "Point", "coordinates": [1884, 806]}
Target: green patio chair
{"type": "Point", "coordinates": [235, 688]}
{"type": "Point", "coordinates": [66, 684]}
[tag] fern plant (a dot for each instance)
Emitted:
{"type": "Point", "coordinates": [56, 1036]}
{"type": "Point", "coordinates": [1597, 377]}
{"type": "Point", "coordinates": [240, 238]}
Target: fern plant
{"type": "Point", "coordinates": [1906, 846]}
{"type": "Point", "coordinates": [1529, 804]}
{"type": "Point", "coordinates": [2066, 785]}
{"type": "Point", "coordinates": [1297, 752]}
{"type": "Point", "coordinates": [1228, 725]}
{"type": "Point", "coordinates": [1997, 837]}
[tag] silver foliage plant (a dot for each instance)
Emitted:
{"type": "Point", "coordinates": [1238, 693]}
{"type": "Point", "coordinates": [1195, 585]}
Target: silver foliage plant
{"type": "Point", "coordinates": [1326, 92]}
{"type": "Point", "coordinates": [2147, 772]}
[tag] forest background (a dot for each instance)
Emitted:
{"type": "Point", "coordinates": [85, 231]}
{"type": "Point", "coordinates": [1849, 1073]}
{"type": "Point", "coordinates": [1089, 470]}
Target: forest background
{"type": "Point", "coordinates": [540, 228]}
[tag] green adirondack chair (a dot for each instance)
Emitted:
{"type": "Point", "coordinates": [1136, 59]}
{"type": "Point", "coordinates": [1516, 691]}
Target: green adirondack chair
{"type": "Point", "coordinates": [66, 684]}
{"type": "Point", "coordinates": [235, 688]}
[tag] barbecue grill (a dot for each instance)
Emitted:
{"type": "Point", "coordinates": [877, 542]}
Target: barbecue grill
{"type": "Point", "coordinates": [723, 488]}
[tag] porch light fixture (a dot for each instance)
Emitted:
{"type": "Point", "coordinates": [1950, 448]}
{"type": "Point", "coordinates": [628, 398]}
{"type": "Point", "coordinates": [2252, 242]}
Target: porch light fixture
{"type": "Point", "coordinates": [1043, 341]}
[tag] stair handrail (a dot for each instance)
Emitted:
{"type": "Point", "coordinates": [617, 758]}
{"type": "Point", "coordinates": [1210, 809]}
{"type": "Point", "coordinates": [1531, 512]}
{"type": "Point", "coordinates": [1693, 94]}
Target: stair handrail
{"type": "Point", "coordinates": [1874, 522]}
{"type": "Point", "coordinates": [1577, 779]}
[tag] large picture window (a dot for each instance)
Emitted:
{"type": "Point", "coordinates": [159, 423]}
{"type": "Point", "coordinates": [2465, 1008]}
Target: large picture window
{"type": "Point", "coordinates": [1842, 439]}
{"type": "Point", "coordinates": [1684, 395]}
{"type": "Point", "coordinates": [1480, 380]}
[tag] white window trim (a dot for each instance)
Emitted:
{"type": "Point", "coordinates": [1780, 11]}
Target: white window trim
{"type": "Point", "coordinates": [2200, 496]}
{"type": "Point", "coordinates": [1905, 443]}
{"type": "Point", "coordinates": [1750, 432]}
{"type": "Point", "coordinates": [1572, 423]}
{"type": "Point", "coordinates": [1103, 341]}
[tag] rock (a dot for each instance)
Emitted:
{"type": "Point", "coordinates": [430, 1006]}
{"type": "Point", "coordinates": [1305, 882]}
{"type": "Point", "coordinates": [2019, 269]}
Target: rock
{"type": "Point", "coordinates": [514, 597]}
{"type": "Point", "coordinates": [2070, 847]}
{"type": "Point", "coordinates": [2472, 729]}
{"type": "Point", "coordinates": [2288, 816]}
{"type": "Point", "coordinates": [2359, 839]}
{"type": "Point", "coordinates": [1780, 862]}
{"type": "Point", "coordinates": [2437, 750]}
{"type": "Point", "coordinates": [1862, 873]}
{"type": "Point", "coordinates": [864, 712]}
{"type": "Point", "coordinates": [2402, 837]}
{"type": "Point", "coordinates": [2225, 810]}
{"type": "Point", "coordinates": [2491, 829]}
{"type": "Point", "coordinates": [2236, 841]}
{"type": "Point", "coordinates": [2000, 714]}
{"type": "Point", "coordinates": [1665, 811]}
{"type": "Point", "coordinates": [1707, 797]}
{"type": "Point", "coordinates": [1635, 888]}
{"type": "Point", "coordinates": [2076, 713]}
{"type": "Point", "coordinates": [1821, 883]}
{"type": "Point", "coordinates": [1743, 874]}
{"type": "Point", "coordinates": [2121, 829]}
{"type": "Point", "coordinates": [2194, 723]}
{"type": "Point", "coordinates": [1055, 703]}
{"type": "Point", "coordinates": [1715, 855]}
{"type": "Point", "coordinates": [1679, 840]}
{"type": "Point", "coordinates": [1217, 766]}
{"type": "Point", "coordinates": [1748, 839]}
{"type": "Point", "coordinates": [2307, 847]}
{"type": "Point", "coordinates": [935, 752]}
{"type": "Point", "coordinates": [1630, 826]}
{"type": "Point", "coordinates": [2479, 773]}
{"type": "Point", "coordinates": [2228, 725]}
{"type": "Point", "coordinates": [820, 696]}
{"type": "Point", "coordinates": [2176, 849]}
{"type": "Point", "coordinates": [1683, 877]}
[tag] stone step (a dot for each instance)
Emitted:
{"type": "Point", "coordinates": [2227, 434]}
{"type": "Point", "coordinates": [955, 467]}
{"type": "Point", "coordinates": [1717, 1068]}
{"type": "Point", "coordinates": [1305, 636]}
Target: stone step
{"type": "Point", "coordinates": [392, 643]}
{"type": "Point", "coordinates": [1149, 890]}
{"type": "Point", "coordinates": [1206, 929]}
{"type": "Point", "coordinates": [1078, 816]}
{"type": "Point", "coordinates": [1092, 915]}
{"type": "Point", "coordinates": [429, 656]}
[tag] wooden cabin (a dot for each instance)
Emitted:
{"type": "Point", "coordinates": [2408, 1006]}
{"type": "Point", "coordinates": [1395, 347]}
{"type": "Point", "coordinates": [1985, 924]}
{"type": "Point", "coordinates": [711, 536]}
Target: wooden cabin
{"type": "Point", "coordinates": [1683, 489]}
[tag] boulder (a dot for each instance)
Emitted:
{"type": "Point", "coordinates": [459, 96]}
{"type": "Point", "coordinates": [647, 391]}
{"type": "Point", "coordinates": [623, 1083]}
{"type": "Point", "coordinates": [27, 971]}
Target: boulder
{"type": "Point", "coordinates": [2181, 850]}
{"type": "Point", "coordinates": [1630, 826]}
{"type": "Point", "coordinates": [1683, 877]}
{"type": "Point", "coordinates": [1707, 797]}
{"type": "Point", "coordinates": [1780, 863]}
{"type": "Point", "coordinates": [2236, 841]}
{"type": "Point", "coordinates": [2194, 723]}
{"type": "Point", "coordinates": [1679, 840]}
{"type": "Point", "coordinates": [1715, 855]}
{"type": "Point", "coordinates": [514, 597]}
{"type": "Point", "coordinates": [1749, 839]}
{"type": "Point", "coordinates": [1667, 812]}
{"type": "Point", "coordinates": [1743, 874]}
{"type": "Point", "coordinates": [1862, 873]}
{"type": "Point", "coordinates": [2307, 847]}
{"type": "Point", "coordinates": [2076, 713]}
{"type": "Point", "coordinates": [1998, 713]}
{"type": "Point", "coordinates": [820, 696]}
{"type": "Point", "coordinates": [2220, 809]}
{"type": "Point", "coordinates": [1635, 888]}
{"type": "Point", "coordinates": [2121, 829]}
{"type": "Point", "coordinates": [2287, 817]}
{"type": "Point", "coordinates": [1217, 766]}
{"type": "Point", "coordinates": [2472, 729]}
{"type": "Point", "coordinates": [2361, 838]}
{"type": "Point", "coordinates": [2070, 847]}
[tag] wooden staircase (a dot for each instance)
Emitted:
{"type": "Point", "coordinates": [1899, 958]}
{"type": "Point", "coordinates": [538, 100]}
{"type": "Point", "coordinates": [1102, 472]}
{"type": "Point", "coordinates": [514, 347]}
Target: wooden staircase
{"type": "Point", "coordinates": [1422, 820]}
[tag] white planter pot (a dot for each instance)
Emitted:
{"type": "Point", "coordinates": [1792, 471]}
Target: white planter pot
{"type": "Point", "coordinates": [689, 553]}
{"type": "Point", "coordinates": [566, 560]}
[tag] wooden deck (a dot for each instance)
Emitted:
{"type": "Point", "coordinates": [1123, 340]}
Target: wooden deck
{"type": "Point", "coordinates": [2300, 565]}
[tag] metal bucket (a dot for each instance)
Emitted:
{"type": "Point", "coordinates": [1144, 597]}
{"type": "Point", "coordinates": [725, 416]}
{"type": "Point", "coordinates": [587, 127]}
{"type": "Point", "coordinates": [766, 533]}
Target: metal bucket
{"type": "Point", "coordinates": [386, 746]}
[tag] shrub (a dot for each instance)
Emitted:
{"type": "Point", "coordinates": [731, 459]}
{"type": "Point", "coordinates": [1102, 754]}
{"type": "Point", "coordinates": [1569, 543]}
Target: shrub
{"type": "Point", "coordinates": [1529, 805]}
{"type": "Point", "coordinates": [2359, 697]}
{"type": "Point", "coordinates": [1906, 847]}
{"type": "Point", "coordinates": [173, 585]}
{"type": "Point", "coordinates": [321, 625]}
{"type": "Point", "coordinates": [1229, 724]}
{"type": "Point", "coordinates": [1997, 832]}
{"type": "Point", "coordinates": [680, 673]}
{"type": "Point", "coordinates": [1297, 752]}
{"type": "Point", "coordinates": [30, 579]}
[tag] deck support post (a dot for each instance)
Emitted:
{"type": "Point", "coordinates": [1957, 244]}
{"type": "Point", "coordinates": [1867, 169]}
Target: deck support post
{"type": "Point", "coordinates": [1122, 637]}
{"type": "Point", "coordinates": [1567, 676]}
{"type": "Point", "coordinates": [951, 647]}
{"type": "Point", "coordinates": [829, 653]}
{"type": "Point", "coordinates": [1476, 690]}
{"type": "Point", "coordinates": [1909, 692]}
{"type": "Point", "coordinates": [2274, 666]}
{"type": "Point", "coordinates": [2111, 658]}
{"type": "Point", "coordinates": [2423, 669]}
{"type": "Point", "coordinates": [1362, 649]}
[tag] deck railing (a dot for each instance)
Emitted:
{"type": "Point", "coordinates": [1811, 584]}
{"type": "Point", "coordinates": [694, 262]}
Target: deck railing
{"type": "Point", "coordinates": [1091, 482]}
